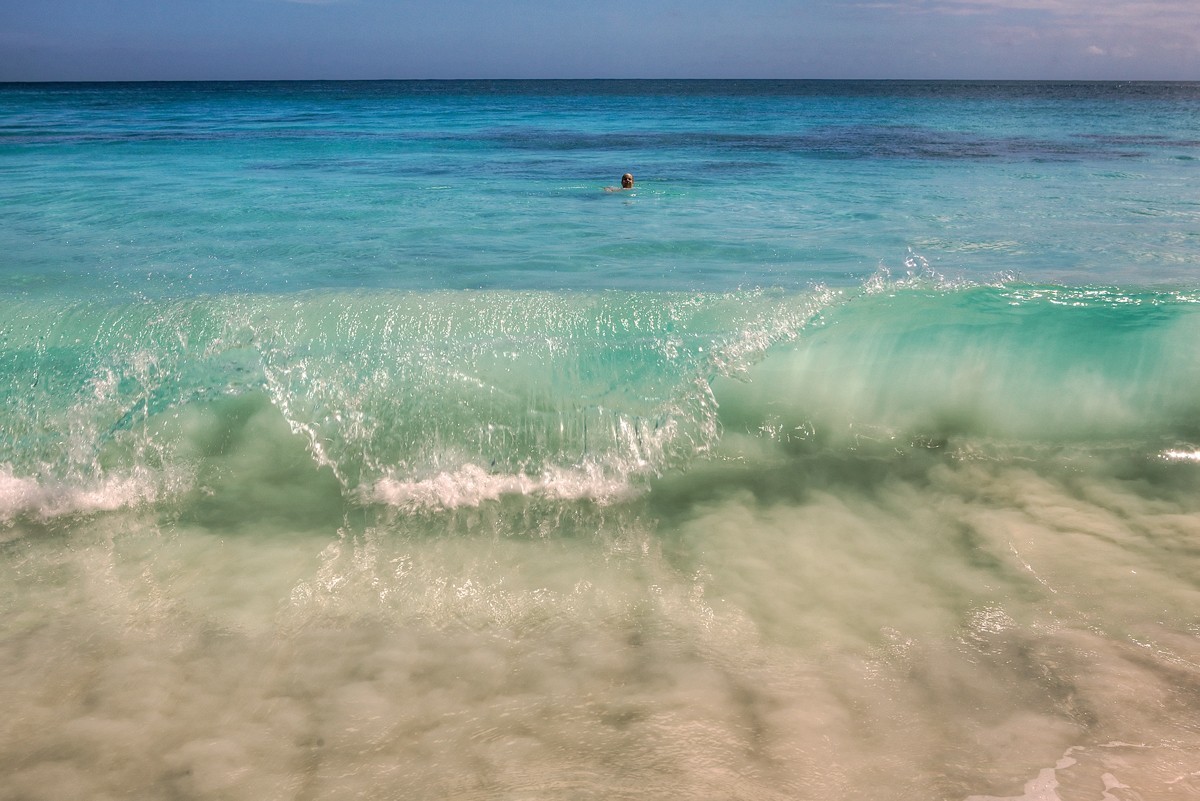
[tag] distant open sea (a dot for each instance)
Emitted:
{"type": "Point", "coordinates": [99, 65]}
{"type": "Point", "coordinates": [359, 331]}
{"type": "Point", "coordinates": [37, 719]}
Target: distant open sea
{"type": "Point", "coordinates": [356, 443]}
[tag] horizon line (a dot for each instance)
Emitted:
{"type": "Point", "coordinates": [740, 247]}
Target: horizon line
{"type": "Point", "coordinates": [593, 80]}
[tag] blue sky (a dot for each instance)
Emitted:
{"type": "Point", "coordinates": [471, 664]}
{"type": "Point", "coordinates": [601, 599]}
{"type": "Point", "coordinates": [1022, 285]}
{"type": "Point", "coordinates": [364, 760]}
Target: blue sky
{"type": "Point", "coordinates": [296, 39]}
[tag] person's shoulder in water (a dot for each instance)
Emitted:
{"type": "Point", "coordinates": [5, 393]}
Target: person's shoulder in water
{"type": "Point", "coordinates": [626, 183]}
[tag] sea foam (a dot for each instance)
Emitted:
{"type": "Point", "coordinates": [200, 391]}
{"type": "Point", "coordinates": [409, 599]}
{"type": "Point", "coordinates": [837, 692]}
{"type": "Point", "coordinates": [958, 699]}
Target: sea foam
{"type": "Point", "coordinates": [471, 485]}
{"type": "Point", "coordinates": [43, 500]}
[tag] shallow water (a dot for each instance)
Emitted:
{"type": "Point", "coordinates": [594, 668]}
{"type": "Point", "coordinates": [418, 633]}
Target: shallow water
{"type": "Point", "coordinates": [356, 444]}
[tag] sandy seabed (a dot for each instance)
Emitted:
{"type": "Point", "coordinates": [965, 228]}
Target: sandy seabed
{"type": "Point", "coordinates": [964, 631]}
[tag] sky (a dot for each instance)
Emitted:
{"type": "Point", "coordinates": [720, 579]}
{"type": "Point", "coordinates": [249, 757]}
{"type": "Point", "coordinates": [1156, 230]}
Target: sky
{"type": "Point", "coordinates": [85, 40]}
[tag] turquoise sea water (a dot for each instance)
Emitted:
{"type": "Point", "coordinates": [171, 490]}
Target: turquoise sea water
{"type": "Point", "coordinates": [356, 443]}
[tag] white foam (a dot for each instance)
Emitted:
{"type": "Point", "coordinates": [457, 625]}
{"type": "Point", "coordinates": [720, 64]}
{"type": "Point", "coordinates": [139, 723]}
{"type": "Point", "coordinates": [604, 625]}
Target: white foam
{"type": "Point", "coordinates": [45, 500]}
{"type": "Point", "coordinates": [471, 485]}
{"type": "Point", "coordinates": [1042, 788]}
{"type": "Point", "coordinates": [1181, 456]}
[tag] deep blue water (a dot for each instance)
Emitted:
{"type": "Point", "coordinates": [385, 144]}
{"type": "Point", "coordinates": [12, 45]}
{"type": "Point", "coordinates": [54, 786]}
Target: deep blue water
{"type": "Point", "coordinates": [355, 441]}
{"type": "Point", "coordinates": [195, 188]}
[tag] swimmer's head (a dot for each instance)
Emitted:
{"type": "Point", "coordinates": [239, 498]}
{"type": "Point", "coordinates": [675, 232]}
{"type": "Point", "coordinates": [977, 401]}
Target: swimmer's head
{"type": "Point", "coordinates": [627, 181]}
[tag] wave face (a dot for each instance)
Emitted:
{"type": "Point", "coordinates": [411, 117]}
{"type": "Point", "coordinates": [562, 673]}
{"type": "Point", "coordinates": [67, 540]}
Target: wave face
{"type": "Point", "coordinates": [1012, 365]}
{"type": "Point", "coordinates": [408, 398]}
{"type": "Point", "coordinates": [385, 390]}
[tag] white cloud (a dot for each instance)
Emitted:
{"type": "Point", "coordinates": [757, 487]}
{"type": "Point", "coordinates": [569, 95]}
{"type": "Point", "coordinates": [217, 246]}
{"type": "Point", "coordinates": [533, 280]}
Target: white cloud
{"type": "Point", "coordinates": [1174, 12]}
{"type": "Point", "coordinates": [1112, 27]}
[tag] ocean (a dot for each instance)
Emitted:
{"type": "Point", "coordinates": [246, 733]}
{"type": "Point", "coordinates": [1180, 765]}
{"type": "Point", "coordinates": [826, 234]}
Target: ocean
{"type": "Point", "coordinates": [357, 442]}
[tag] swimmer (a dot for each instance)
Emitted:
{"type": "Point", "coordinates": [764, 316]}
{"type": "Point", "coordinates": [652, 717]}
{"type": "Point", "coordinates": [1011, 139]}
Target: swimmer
{"type": "Point", "coordinates": [626, 183]}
